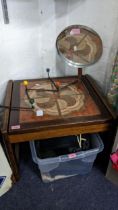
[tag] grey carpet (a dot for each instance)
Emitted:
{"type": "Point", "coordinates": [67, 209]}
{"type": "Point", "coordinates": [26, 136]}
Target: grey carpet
{"type": "Point", "coordinates": [88, 192]}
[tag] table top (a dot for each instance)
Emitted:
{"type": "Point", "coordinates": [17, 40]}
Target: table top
{"type": "Point", "coordinates": [76, 103]}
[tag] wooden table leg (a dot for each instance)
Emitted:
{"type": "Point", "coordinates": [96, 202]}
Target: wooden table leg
{"type": "Point", "coordinates": [11, 158]}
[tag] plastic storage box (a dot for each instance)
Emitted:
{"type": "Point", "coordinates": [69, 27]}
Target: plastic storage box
{"type": "Point", "coordinates": [61, 157]}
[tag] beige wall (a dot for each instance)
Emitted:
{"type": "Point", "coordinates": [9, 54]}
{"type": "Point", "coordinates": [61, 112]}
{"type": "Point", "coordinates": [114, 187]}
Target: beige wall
{"type": "Point", "coordinates": [5, 170]}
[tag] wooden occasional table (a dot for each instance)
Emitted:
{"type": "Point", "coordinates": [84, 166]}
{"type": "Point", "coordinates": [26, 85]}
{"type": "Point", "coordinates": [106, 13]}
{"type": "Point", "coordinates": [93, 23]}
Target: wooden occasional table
{"type": "Point", "coordinates": [77, 108]}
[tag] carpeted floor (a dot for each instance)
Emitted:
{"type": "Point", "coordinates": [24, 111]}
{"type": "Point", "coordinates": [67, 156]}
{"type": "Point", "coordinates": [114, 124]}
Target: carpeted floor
{"type": "Point", "coordinates": [89, 192]}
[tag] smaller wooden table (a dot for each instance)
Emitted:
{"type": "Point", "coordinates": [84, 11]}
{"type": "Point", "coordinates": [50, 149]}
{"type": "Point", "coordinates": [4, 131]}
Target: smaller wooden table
{"type": "Point", "coordinates": [77, 108]}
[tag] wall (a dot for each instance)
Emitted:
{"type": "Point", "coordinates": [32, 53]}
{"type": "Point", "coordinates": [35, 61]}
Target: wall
{"type": "Point", "coordinates": [27, 44]}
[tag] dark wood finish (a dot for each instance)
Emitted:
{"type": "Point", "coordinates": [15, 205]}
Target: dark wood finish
{"type": "Point", "coordinates": [59, 132]}
{"type": "Point", "coordinates": [58, 128]}
{"type": "Point", "coordinates": [11, 158]}
{"type": "Point", "coordinates": [80, 72]}
{"type": "Point", "coordinates": [101, 96]}
{"type": "Point", "coordinates": [69, 121]}
{"type": "Point", "coordinates": [7, 102]}
{"type": "Point", "coordinates": [4, 131]}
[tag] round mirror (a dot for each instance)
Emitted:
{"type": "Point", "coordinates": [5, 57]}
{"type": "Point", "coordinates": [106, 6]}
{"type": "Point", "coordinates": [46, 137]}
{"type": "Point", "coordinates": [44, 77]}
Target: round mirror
{"type": "Point", "coordinates": [79, 46]}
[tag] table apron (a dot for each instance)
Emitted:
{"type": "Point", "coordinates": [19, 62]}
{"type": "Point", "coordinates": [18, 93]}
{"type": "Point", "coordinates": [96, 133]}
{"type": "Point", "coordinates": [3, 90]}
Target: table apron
{"type": "Point", "coordinates": [57, 132]}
